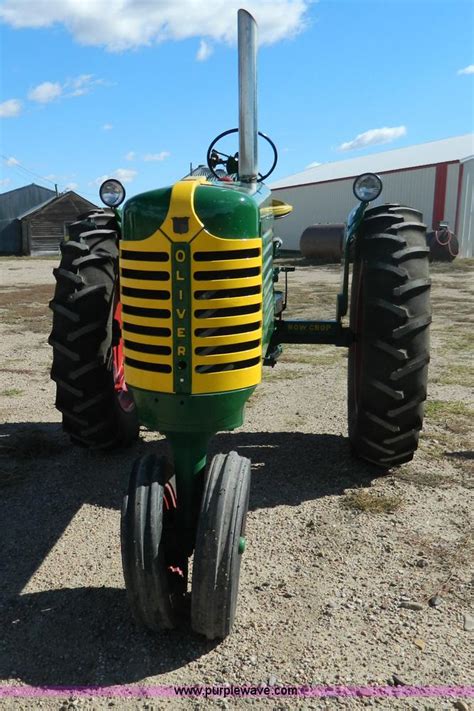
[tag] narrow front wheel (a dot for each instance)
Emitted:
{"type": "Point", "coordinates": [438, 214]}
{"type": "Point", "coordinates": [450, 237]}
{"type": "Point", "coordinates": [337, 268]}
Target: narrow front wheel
{"type": "Point", "coordinates": [220, 543]}
{"type": "Point", "coordinates": [154, 569]}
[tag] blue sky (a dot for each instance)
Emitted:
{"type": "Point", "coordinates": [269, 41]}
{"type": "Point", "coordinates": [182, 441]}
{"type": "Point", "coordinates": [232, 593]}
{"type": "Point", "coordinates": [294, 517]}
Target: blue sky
{"type": "Point", "coordinates": [138, 88]}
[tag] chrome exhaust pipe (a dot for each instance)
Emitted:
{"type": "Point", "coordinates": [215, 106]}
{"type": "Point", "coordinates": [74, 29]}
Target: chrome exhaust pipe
{"type": "Point", "coordinates": [248, 128]}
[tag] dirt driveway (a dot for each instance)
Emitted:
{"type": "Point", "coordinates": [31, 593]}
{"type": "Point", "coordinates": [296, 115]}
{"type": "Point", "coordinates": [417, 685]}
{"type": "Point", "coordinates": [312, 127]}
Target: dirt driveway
{"type": "Point", "coordinates": [347, 578]}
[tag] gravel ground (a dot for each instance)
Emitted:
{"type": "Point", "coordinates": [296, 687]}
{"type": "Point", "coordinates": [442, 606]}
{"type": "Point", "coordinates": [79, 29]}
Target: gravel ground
{"type": "Point", "coordinates": [340, 567]}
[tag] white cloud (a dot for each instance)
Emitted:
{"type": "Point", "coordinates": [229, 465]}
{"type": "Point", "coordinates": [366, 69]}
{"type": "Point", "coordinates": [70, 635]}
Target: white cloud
{"type": "Point", "coordinates": [125, 175]}
{"type": "Point", "coordinates": [71, 186]}
{"type": "Point", "coordinates": [204, 52]}
{"type": "Point", "coordinates": [107, 127]}
{"type": "Point", "coordinates": [133, 23]}
{"type": "Point", "coordinates": [467, 70]}
{"type": "Point", "coordinates": [313, 165]}
{"type": "Point", "coordinates": [99, 180]}
{"type": "Point", "coordinates": [373, 137]}
{"type": "Point", "coordinates": [45, 92]}
{"type": "Point", "coordinates": [4, 182]}
{"type": "Point", "coordinates": [12, 161]}
{"type": "Point", "coordinates": [83, 84]}
{"type": "Point", "coordinates": [130, 155]}
{"type": "Point", "coordinates": [156, 156]}
{"type": "Point", "coordinates": [10, 108]}
{"type": "Point", "coordinates": [77, 86]}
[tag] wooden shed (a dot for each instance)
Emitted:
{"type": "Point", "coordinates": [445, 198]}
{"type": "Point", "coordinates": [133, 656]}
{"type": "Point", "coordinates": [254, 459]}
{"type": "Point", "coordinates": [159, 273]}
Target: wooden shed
{"type": "Point", "coordinates": [14, 203]}
{"type": "Point", "coordinates": [43, 227]}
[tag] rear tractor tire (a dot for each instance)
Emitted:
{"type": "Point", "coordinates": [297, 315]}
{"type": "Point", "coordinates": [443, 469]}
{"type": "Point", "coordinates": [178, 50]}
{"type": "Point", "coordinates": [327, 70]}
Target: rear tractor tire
{"type": "Point", "coordinates": [98, 411]}
{"type": "Point", "coordinates": [389, 316]}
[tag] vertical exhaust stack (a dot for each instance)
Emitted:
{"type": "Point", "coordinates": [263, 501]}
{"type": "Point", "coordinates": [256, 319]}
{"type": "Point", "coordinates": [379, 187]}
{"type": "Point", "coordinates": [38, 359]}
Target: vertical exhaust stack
{"type": "Point", "coordinates": [248, 128]}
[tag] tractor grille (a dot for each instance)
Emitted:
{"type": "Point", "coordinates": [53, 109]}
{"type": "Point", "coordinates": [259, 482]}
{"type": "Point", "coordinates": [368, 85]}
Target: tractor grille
{"type": "Point", "coordinates": [224, 322]}
{"type": "Point", "coordinates": [145, 284]}
{"type": "Point", "coordinates": [227, 313]}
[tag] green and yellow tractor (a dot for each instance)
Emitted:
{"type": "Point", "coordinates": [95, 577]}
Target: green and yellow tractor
{"type": "Point", "coordinates": [165, 312]}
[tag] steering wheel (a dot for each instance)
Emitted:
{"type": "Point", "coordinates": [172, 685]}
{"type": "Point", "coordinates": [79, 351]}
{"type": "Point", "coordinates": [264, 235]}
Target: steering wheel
{"type": "Point", "coordinates": [231, 163]}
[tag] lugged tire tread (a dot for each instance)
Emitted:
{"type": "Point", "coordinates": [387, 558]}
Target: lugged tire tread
{"type": "Point", "coordinates": [82, 335]}
{"type": "Point", "coordinates": [397, 353]}
{"type": "Point", "coordinates": [414, 325]}
{"type": "Point", "coordinates": [72, 355]}
{"type": "Point", "coordinates": [394, 341]}
{"type": "Point", "coordinates": [86, 293]}
{"type": "Point", "coordinates": [412, 365]}
{"type": "Point", "coordinates": [410, 252]}
{"type": "Point", "coordinates": [391, 392]}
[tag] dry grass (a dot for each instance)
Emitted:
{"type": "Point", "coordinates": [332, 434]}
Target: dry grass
{"type": "Point", "coordinates": [422, 477]}
{"type": "Point", "coordinates": [447, 553]}
{"type": "Point", "coordinates": [311, 301]}
{"type": "Point", "coordinates": [11, 392]}
{"type": "Point", "coordinates": [363, 500]}
{"type": "Point", "coordinates": [459, 265]}
{"type": "Point", "coordinates": [318, 359]}
{"type": "Point", "coordinates": [18, 371]}
{"type": "Point", "coordinates": [281, 373]}
{"type": "Point", "coordinates": [29, 258]}
{"type": "Point", "coordinates": [454, 375]}
{"type": "Point", "coordinates": [441, 410]}
{"type": "Point", "coordinates": [26, 307]}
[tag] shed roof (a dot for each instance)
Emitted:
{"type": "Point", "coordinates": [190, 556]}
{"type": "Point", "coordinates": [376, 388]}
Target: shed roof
{"type": "Point", "coordinates": [15, 202]}
{"type": "Point", "coordinates": [55, 198]}
{"type": "Point", "coordinates": [449, 149]}
{"type": "Point", "coordinates": [36, 207]}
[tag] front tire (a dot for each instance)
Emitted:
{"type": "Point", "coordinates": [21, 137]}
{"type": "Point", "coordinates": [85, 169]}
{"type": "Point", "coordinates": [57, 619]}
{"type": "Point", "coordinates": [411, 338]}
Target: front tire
{"type": "Point", "coordinates": [219, 545]}
{"type": "Point", "coordinates": [389, 316]}
{"type": "Point", "coordinates": [154, 568]}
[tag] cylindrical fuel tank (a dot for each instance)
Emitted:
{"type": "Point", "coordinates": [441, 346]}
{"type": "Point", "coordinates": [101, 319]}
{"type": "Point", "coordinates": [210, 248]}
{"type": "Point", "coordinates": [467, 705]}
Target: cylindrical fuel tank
{"type": "Point", "coordinates": [443, 244]}
{"type": "Point", "coordinates": [322, 242]}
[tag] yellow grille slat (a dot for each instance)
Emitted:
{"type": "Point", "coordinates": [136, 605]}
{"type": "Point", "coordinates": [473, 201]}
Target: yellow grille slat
{"type": "Point", "coordinates": [144, 265]}
{"type": "Point", "coordinates": [147, 321]}
{"type": "Point", "coordinates": [148, 340]}
{"type": "Point", "coordinates": [223, 303]}
{"type": "Point", "coordinates": [228, 380]}
{"type": "Point", "coordinates": [214, 284]}
{"type": "Point", "coordinates": [145, 283]}
{"type": "Point", "coordinates": [150, 357]}
{"type": "Point", "coordinates": [202, 342]}
{"type": "Point", "coordinates": [226, 357]}
{"type": "Point", "coordinates": [225, 321]}
{"type": "Point", "coordinates": [147, 303]}
{"type": "Point", "coordinates": [227, 265]}
{"type": "Point", "coordinates": [146, 380]}
{"type": "Point", "coordinates": [146, 245]}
